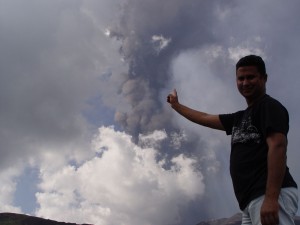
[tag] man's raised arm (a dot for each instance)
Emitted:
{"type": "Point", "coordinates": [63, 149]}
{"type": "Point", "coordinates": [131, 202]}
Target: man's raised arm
{"type": "Point", "coordinates": [204, 119]}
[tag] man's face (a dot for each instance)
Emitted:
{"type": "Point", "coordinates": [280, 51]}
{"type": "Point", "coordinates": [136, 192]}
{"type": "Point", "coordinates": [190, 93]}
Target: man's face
{"type": "Point", "coordinates": [250, 83]}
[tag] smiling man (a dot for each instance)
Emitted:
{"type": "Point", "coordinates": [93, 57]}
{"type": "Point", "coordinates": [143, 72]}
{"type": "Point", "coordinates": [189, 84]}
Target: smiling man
{"type": "Point", "coordinates": [265, 190]}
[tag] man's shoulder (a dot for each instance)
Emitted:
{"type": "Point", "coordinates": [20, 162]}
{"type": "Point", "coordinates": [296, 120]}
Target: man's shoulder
{"type": "Point", "coordinates": [272, 106]}
{"type": "Point", "coordinates": [268, 100]}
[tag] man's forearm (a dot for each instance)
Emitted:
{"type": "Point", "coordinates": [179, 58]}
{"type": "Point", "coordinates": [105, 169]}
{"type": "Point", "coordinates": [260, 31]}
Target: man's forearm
{"type": "Point", "coordinates": [198, 117]}
{"type": "Point", "coordinates": [276, 170]}
{"type": "Point", "coordinates": [190, 114]}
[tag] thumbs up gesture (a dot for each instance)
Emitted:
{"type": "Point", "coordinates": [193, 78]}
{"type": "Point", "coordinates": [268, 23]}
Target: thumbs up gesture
{"type": "Point", "coordinates": [172, 97]}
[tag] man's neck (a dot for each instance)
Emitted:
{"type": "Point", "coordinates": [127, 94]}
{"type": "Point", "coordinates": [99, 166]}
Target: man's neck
{"type": "Point", "coordinates": [252, 101]}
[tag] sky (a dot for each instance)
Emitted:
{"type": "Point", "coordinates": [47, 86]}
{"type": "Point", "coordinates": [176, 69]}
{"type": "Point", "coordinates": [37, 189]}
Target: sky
{"type": "Point", "coordinates": [86, 135]}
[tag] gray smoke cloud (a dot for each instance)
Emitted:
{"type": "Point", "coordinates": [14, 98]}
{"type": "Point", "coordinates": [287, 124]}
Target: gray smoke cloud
{"type": "Point", "coordinates": [152, 33]}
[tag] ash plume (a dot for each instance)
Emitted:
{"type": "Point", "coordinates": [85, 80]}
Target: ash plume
{"type": "Point", "coordinates": [152, 33]}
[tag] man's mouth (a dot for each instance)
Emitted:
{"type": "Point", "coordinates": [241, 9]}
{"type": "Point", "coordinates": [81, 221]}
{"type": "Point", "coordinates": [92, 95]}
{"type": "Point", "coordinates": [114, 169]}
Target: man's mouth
{"type": "Point", "coordinates": [248, 90]}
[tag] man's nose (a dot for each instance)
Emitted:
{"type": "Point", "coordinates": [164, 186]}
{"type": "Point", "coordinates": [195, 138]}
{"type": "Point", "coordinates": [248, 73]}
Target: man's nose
{"type": "Point", "coordinates": [245, 82]}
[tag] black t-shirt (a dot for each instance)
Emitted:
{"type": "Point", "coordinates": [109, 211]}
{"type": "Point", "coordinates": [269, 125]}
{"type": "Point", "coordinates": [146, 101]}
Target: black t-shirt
{"type": "Point", "coordinates": [249, 150]}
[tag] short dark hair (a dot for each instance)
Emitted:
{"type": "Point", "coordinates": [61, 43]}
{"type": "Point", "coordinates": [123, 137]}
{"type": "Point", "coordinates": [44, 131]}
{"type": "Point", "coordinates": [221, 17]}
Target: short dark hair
{"type": "Point", "coordinates": [252, 60]}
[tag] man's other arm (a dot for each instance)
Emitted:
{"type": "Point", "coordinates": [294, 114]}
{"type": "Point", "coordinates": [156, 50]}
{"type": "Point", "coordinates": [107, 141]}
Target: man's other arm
{"type": "Point", "coordinates": [277, 143]}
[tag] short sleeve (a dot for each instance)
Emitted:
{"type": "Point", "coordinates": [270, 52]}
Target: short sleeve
{"type": "Point", "coordinates": [274, 118]}
{"type": "Point", "coordinates": [227, 121]}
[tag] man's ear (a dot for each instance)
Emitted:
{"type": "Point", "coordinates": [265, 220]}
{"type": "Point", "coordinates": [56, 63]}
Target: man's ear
{"type": "Point", "coordinates": [266, 77]}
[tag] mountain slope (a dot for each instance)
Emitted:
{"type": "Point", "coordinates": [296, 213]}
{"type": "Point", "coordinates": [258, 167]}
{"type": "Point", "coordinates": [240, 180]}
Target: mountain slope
{"type": "Point", "coordinates": [20, 219]}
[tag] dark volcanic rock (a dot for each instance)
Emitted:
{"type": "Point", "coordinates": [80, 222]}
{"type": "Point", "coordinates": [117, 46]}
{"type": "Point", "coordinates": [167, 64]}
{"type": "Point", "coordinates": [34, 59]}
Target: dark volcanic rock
{"type": "Point", "coordinates": [20, 219]}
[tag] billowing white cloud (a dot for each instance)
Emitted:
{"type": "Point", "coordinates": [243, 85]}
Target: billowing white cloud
{"type": "Point", "coordinates": [177, 138]}
{"type": "Point", "coordinates": [153, 139]}
{"type": "Point", "coordinates": [7, 189]}
{"type": "Point", "coordinates": [125, 184]}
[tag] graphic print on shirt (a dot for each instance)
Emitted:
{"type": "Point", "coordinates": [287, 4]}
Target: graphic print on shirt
{"type": "Point", "coordinates": [245, 132]}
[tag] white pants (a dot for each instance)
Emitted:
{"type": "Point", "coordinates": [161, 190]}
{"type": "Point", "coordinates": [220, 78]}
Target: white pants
{"type": "Point", "coordinates": [288, 202]}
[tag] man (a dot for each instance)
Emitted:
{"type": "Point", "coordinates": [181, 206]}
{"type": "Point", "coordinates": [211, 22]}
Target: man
{"type": "Point", "coordinates": [264, 188]}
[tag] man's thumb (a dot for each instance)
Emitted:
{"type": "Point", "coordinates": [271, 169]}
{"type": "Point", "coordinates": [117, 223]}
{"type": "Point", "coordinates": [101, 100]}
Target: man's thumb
{"type": "Point", "coordinates": [174, 92]}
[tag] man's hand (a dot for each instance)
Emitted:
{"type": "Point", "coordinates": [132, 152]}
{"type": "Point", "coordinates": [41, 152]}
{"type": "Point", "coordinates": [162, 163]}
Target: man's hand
{"type": "Point", "coordinates": [269, 212]}
{"type": "Point", "coordinates": [172, 98]}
